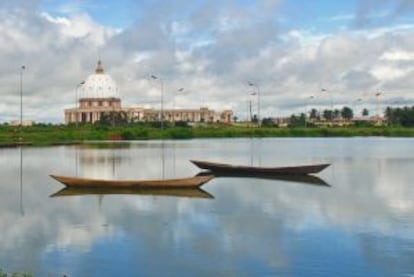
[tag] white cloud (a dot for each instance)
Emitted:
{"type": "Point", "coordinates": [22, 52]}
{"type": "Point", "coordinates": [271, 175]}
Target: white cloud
{"type": "Point", "coordinates": [397, 56]}
{"type": "Point", "coordinates": [387, 73]}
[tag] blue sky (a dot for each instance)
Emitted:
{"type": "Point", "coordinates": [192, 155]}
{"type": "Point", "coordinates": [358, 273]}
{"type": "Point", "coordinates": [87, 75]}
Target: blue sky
{"type": "Point", "coordinates": [291, 49]}
{"type": "Point", "coordinates": [323, 15]}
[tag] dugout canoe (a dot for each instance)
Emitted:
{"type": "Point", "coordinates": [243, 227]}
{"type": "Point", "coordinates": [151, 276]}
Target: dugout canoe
{"type": "Point", "coordinates": [252, 170]}
{"type": "Point", "coordinates": [189, 182]}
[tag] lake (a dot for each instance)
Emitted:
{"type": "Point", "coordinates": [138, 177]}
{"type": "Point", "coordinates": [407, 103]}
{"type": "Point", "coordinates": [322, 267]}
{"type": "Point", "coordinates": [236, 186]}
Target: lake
{"type": "Point", "coordinates": [357, 221]}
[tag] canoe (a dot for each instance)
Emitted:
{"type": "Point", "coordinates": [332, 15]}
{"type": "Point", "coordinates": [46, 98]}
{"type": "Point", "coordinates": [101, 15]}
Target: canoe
{"type": "Point", "coordinates": [173, 192]}
{"type": "Point", "coordinates": [240, 169]}
{"type": "Point", "coordinates": [190, 182]}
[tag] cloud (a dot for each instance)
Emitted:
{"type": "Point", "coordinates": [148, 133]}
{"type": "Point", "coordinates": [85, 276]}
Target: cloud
{"type": "Point", "coordinates": [359, 79]}
{"type": "Point", "coordinates": [211, 49]}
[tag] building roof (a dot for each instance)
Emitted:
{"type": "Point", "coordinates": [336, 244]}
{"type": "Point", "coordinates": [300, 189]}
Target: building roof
{"type": "Point", "coordinates": [99, 85]}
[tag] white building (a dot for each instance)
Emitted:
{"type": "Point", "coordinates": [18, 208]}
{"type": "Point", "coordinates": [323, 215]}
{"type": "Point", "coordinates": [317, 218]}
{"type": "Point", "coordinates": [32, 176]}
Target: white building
{"type": "Point", "coordinates": [99, 94]}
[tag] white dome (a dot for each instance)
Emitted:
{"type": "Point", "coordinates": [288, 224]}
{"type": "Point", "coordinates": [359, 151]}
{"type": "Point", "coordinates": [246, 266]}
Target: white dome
{"type": "Point", "coordinates": [99, 85]}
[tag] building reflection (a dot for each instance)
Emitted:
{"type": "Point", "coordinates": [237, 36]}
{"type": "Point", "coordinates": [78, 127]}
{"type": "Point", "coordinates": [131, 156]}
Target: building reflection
{"type": "Point", "coordinates": [98, 162]}
{"type": "Point", "coordinates": [117, 161]}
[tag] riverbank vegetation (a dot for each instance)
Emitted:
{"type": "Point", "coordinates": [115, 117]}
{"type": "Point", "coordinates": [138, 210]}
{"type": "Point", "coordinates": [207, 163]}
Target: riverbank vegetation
{"type": "Point", "coordinates": [3, 274]}
{"type": "Point", "coordinates": [116, 127]}
{"type": "Point", "coordinates": [41, 134]}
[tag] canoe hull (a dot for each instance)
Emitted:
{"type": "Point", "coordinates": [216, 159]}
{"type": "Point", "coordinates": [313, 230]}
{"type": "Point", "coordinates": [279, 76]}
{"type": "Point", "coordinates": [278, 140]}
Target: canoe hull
{"type": "Point", "coordinates": [252, 170]}
{"type": "Point", "coordinates": [190, 182]}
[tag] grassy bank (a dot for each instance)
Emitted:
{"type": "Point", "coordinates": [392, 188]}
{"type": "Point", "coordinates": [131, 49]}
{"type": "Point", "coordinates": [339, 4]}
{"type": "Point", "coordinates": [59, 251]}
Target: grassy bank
{"type": "Point", "coordinates": [3, 274]}
{"type": "Point", "coordinates": [49, 135]}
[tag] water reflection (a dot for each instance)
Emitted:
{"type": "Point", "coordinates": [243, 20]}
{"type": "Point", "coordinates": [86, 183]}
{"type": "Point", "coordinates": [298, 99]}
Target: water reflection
{"type": "Point", "coordinates": [21, 181]}
{"type": "Point", "coordinates": [99, 160]}
{"type": "Point", "coordinates": [305, 179]}
{"type": "Point", "coordinates": [103, 161]}
{"type": "Point", "coordinates": [189, 192]}
{"type": "Point", "coordinates": [363, 224]}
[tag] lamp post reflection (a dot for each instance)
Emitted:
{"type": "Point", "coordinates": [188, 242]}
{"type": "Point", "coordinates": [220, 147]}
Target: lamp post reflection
{"type": "Point", "coordinates": [21, 181]}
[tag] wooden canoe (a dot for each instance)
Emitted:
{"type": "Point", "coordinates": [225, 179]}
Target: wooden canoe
{"type": "Point", "coordinates": [240, 169]}
{"type": "Point", "coordinates": [190, 182]}
{"type": "Point", "coordinates": [173, 192]}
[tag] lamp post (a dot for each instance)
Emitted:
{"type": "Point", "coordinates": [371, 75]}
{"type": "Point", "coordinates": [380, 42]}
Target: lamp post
{"type": "Point", "coordinates": [330, 95]}
{"type": "Point", "coordinates": [22, 68]}
{"type": "Point", "coordinates": [377, 96]}
{"type": "Point", "coordinates": [355, 104]}
{"type": "Point", "coordinates": [162, 99]}
{"type": "Point", "coordinates": [258, 101]}
{"type": "Point", "coordinates": [180, 90]}
{"type": "Point", "coordinates": [250, 105]}
{"type": "Point", "coordinates": [76, 101]}
{"type": "Point", "coordinates": [306, 112]}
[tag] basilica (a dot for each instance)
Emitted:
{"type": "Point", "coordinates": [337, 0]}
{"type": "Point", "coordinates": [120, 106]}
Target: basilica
{"type": "Point", "coordinates": [99, 95]}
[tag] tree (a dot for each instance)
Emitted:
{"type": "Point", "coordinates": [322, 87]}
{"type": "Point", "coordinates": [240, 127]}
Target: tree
{"type": "Point", "coordinates": [254, 119]}
{"type": "Point", "coordinates": [328, 114]}
{"type": "Point", "coordinates": [401, 116]}
{"type": "Point", "coordinates": [347, 113]}
{"type": "Point", "coordinates": [365, 112]}
{"type": "Point", "coordinates": [298, 121]}
{"type": "Point", "coordinates": [268, 122]}
{"type": "Point", "coordinates": [314, 114]}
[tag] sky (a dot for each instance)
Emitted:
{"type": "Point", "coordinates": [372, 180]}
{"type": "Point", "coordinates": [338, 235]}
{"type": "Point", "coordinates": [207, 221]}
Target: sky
{"type": "Point", "coordinates": [299, 54]}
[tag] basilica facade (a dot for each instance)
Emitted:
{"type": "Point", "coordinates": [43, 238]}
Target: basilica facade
{"type": "Point", "coordinates": [99, 95]}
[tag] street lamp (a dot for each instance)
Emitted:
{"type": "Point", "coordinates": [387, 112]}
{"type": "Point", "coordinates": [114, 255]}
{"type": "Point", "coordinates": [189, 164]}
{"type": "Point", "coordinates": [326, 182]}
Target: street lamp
{"type": "Point", "coordinates": [355, 104]}
{"type": "Point", "coordinates": [180, 90]}
{"type": "Point", "coordinates": [330, 95]}
{"type": "Point", "coordinates": [162, 99]}
{"type": "Point", "coordinates": [377, 95]}
{"type": "Point", "coordinates": [306, 113]}
{"type": "Point", "coordinates": [250, 105]}
{"type": "Point", "coordinates": [258, 100]}
{"type": "Point", "coordinates": [22, 68]}
{"type": "Point", "coordinates": [76, 101]}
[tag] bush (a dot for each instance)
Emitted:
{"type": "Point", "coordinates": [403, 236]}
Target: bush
{"type": "Point", "coordinates": [127, 135]}
{"type": "Point", "coordinates": [180, 133]}
{"type": "Point", "coordinates": [181, 123]}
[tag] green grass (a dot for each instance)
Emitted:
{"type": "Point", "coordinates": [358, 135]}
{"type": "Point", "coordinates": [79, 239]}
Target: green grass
{"type": "Point", "coordinates": [3, 274]}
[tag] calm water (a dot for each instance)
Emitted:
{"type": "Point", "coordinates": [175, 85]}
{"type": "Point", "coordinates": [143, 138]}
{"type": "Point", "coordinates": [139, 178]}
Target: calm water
{"type": "Point", "coordinates": [360, 225]}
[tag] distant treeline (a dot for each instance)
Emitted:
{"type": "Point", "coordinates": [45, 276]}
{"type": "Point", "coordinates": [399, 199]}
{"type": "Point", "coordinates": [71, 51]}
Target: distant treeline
{"type": "Point", "coordinates": [400, 116]}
